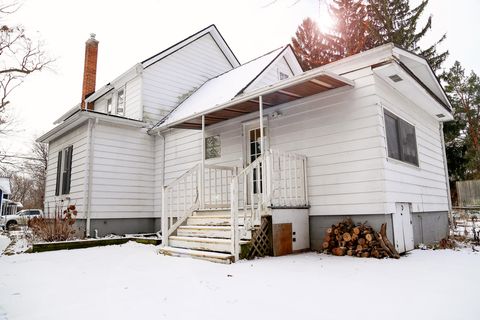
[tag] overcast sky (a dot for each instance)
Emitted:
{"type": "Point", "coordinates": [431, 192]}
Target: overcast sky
{"type": "Point", "coordinates": [130, 31]}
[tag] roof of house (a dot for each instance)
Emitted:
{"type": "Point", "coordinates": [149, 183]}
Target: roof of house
{"type": "Point", "coordinates": [222, 88]}
{"type": "Point", "coordinates": [216, 97]}
{"type": "Point", "coordinates": [5, 185]}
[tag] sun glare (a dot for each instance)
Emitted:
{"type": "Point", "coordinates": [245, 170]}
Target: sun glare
{"type": "Point", "coordinates": [323, 18]}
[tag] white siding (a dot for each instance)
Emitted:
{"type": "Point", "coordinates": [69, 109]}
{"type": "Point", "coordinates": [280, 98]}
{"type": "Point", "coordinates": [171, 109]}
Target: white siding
{"type": "Point", "coordinates": [272, 74]}
{"type": "Point", "coordinates": [340, 133]}
{"type": "Point", "coordinates": [78, 139]}
{"type": "Point", "coordinates": [423, 186]}
{"type": "Point", "coordinates": [122, 173]}
{"type": "Point", "coordinates": [167, 82]}
{"type": "Point", "coordinates": [133, 99]}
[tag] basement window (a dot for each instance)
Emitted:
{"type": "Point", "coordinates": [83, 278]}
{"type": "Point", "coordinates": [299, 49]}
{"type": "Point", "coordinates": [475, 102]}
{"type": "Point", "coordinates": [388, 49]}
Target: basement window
{"type": "Point", "coordinates": [121, 102]}
{"type": "Point", "coordinates": [212, 147]}
{"type": "Point", "coordinates": [401, 139]}
{"type": "Point", "coordinates": [64, 171]}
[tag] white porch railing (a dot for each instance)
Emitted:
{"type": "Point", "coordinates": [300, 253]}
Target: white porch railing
{"type": "Point", "coordinates": [274, 179]}
{"type": "Point", "coordinates": [203, 186]}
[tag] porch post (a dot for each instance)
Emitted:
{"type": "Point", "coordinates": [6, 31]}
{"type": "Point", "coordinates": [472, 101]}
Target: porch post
{"type": "Point", "coordinates": [262, 150]}
{"type": "Point", "coordinates": [202, 168]}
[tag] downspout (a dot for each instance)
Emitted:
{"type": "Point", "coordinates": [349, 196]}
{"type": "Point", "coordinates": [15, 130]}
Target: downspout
{"type": "Point", "coordinates": [87, 190]}
{"type": "Point", "coordinates": [447, 180]}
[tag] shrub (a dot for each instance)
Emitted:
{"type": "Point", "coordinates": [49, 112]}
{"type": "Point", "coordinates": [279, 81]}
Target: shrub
{"type": "Point", "coordinates": [58, 228]}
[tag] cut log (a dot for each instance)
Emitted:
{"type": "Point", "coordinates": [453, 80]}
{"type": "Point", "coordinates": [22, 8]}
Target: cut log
{"type": "Point", "coordinates": [325, 245]}
{"type": "Point", "coordinates": [347, 237]}
{"type": "Point", "coordinates": [365, 254]}
{"type": "Point", "coordinates": [361, 241]}
{"type": "Point", "coordinates": [383, 232]}
{"type": "Point", "coordinates": [339, 251]}
{"type": "Point", "coordinates": [329, 231]}
{"type": "Point", "coordinates": [369, 237]}
{"type": "Point", "coordinates": [356, 230]}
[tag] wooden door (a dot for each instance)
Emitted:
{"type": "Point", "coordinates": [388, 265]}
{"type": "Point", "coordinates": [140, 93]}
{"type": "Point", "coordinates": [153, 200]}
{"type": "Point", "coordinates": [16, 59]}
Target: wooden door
{"type": "Point", "coordinates": [403, 227]}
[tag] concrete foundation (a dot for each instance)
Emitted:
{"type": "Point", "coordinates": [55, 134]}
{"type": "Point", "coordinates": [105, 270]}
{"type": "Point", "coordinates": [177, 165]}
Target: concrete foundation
{"type": "Point", "coordinates": [429, 227]}
{"type": "Point", "coordinates": [119, 226]}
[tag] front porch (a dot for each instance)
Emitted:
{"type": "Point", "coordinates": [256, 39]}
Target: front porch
{"type": "Point", "coordinates": [225, 213]}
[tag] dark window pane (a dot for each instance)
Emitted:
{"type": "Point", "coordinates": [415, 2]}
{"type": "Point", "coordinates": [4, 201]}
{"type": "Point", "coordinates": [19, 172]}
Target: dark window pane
{"type": "Point", "coordinates": [391, 127]}
{"type": "Point", "coordinates": [408, 144]}
{"type": "Point", "coordinates": [59, 173]}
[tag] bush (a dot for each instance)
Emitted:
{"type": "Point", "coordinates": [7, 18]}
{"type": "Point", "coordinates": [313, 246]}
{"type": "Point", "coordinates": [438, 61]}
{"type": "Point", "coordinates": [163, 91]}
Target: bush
{"type": "Point", "coordinates": [58, 228]}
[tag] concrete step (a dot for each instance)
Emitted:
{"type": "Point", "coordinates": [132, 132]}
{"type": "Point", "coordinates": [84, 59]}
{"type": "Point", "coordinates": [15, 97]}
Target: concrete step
{"type": "Point", "coordinates": [215, 220]}
{"type": "Point", "coordinates": [205, 244]}
{"type": "Point", "coordinates": [211, 232]}
{"type": "Point", "coordinates": [225, 258]}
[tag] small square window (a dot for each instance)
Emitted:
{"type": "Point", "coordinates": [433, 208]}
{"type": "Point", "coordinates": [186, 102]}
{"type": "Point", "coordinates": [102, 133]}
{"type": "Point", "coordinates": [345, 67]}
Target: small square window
{"type": "Point", "coordinates": [212, 147]}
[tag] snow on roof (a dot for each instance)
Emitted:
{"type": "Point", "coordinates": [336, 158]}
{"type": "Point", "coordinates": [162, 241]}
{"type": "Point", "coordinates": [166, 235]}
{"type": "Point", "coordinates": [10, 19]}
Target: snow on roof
{"type": "Point", "coordinates": [221, 89]}
{"type": "Point", "coordinates": [5, 185]}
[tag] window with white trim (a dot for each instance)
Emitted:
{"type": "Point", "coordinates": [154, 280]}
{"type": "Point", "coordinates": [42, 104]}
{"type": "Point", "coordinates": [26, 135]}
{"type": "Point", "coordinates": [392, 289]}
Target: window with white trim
{"type": "Point", "coordinates": [64, 171]}
{"type": "Point", "coordinates": [401, 139]}
{"type": "Point", "coordinates": [212, 147]}
{"type": "Point", "coordinates": [109, 105]}
{"type": "Point", "coordinates": [121, 102]}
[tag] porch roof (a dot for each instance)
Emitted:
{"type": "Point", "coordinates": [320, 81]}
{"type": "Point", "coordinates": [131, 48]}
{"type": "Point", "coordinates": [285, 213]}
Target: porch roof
{"type": "Point", "coordinates": [224, 97]}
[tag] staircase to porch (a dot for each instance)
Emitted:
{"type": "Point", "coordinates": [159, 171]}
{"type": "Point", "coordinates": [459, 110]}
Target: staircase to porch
{"type": "Point", "coordinates": [213, 212]}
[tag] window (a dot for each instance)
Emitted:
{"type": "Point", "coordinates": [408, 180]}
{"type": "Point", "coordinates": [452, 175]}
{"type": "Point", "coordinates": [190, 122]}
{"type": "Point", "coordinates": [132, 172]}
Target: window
{"type": "Point", "coordinates": [64, 171]}
{"type": "Point", "coordinates": [282, 75]}
{"type": "Point", "coordinates": [121, 102]}
{"type": "Point", "coordinates": [401, 139]}
{"type": "Point", "coordinates": [212, 147]}
{"type": "Point", "coordinates": [109, 106]}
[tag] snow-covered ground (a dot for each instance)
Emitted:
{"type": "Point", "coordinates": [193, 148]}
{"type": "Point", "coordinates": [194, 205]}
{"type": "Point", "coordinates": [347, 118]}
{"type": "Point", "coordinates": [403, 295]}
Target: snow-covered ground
{"type": "Point", "coordinates": [132, 281]}
{"type": "Point", "coordinates": [4, 242]}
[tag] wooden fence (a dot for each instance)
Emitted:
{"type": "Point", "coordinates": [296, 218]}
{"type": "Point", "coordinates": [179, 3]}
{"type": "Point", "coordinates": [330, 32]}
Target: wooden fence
{"type": "Point", "coordinates": [468, 193]}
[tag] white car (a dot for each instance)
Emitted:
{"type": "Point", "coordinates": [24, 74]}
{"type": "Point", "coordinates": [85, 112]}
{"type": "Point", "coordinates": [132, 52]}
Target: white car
{"type": "Point", "coordinates": [20, 218]}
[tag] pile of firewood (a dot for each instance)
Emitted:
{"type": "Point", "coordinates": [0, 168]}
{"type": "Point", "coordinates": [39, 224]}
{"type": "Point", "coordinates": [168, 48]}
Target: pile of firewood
{"type": "Point", "coordinates": [346, 238]}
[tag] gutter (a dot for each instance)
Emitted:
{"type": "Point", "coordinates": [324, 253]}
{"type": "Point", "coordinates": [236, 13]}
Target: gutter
{"type": "Point", "coordinates": [260, 92]}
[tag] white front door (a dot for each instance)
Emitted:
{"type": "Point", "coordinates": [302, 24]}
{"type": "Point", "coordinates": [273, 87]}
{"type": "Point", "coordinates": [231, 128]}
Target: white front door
{"type": "Point", "coordinates": [253, 150]}
{"type": "Point", "coordinates": [403, 227]}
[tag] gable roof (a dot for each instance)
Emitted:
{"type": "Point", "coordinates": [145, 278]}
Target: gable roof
{"type": "Point", "coordinates": [226, 95]}
{"type": "Point", "coordinates": [217, 37]}
{"type": "Point", "coordinates": [137, 68]}
{"type": "Point", "coordinates": [223, 87]}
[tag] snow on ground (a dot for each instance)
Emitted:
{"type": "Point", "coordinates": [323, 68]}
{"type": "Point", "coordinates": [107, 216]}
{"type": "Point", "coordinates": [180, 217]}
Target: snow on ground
{"type": "Point", "coordinates": [4, 242]}
{"type": "Point", "coordinates": [132, 281]}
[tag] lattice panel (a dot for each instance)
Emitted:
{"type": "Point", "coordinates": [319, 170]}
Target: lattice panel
{"type": "Point", "coordinates": [262, 240]}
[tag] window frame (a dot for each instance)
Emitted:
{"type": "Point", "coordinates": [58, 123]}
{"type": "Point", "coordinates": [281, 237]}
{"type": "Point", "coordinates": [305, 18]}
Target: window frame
{"type": "Point", "coordinates": [109, 107]}
{"type": "Point", "coordinates": [399, 122]}
{"type": "Point", "coordinates": [117, 104]}
{"type": "Point", "coordinates": [219, 153]}
{"type": "Point", "coordinates": [63, 178]}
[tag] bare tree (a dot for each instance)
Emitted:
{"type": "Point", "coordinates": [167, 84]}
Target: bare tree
{"type": "Point", "coordinates": [20, 56]}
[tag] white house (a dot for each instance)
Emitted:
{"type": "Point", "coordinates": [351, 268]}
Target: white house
{"type": "Point", "coordinates": [195, 144]}
{"type": "Point", "coordinates": [5, 192]}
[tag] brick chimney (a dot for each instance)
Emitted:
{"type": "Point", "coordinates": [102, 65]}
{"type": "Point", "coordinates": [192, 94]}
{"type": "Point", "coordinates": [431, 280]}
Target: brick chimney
{"type": "Point", "coordinates": [90, 70]}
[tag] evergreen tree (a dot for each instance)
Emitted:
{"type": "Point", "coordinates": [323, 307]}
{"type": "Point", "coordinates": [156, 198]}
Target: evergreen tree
{"type": "Point", "coordinates": [350, 34]}
{"type": "Point", "coordinates": [394, 21]}
{"type": "Point", "coordinates": [309, 45]}
{"type": "Point", "coordinates": [462, 136]}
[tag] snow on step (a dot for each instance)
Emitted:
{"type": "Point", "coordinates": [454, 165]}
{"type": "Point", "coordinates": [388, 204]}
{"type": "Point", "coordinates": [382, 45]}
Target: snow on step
{"type": "Point", "coordinates": [211, 220]}
{"type": "Point", "coordinates": [197, 254]}
{"type": "Point", "coordinates": [197, 243]}
{"type": "Point", "coordinates": [205, 231]}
